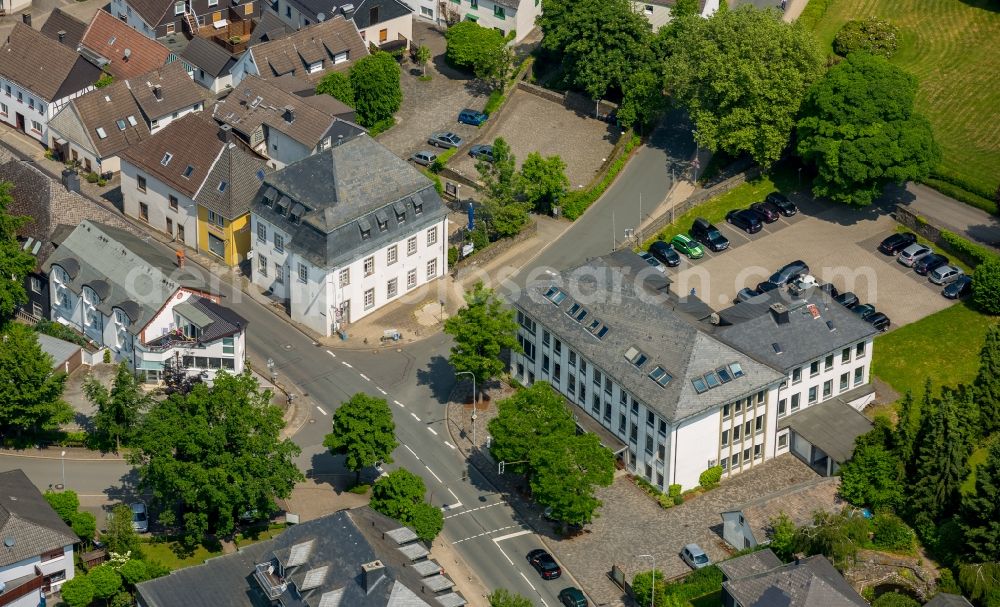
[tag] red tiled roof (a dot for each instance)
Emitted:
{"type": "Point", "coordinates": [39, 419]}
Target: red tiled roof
{"type": "Point", "coordinates": [111, 38]}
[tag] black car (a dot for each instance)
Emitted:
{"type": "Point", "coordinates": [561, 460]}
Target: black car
{"type": "Point", "coordinates": [665, 253]}
{"type": "Point", "coordinates": [897, 242]}
{"type": "Point", "coordinates": [929, 263]}
{"type": "Point", "coordinates": [959, 288]}
{"type": "Point", "coordinates": [785, 206]}
{"type": "Point", "coordinates": [847, 299]}
{"type": "Point", "coordinates": [746, 220]}
{"type": "Point", "coordinates": [709, 235]}
{"type": "Point", "coordinates": [767, 285]}
{"type": "Point", "coordinates": [829, 289]}
{"type": "Point", "coordinates": [789, 273]}
{"type": "Point", "coordinates": [864, 310]}
{"type": "Point", "coordinates": [544, 564]}
{"type": "Point", "coordinates": [572, 597]}
{"type": "Point", "coordinates": [767, 211]}
{"type": "Point", "coordinates": [745, 294]}
{"type": "Point", "coordinates": [878, 320]}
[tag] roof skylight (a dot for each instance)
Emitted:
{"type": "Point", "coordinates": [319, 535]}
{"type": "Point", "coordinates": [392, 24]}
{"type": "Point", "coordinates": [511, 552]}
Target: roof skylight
{"type": "Point", "coordinates": [555, 295]}
{"type": "Point", "coordinates": [699, 385]}
{"type": "Point", "coordinates": [660, 376]}
{"type": "Point", "coordinates": [166, 159]}
{"type": "Point", "coordinates": [101, 133]}
{"type": "Point", "coordinates": [634, 356]}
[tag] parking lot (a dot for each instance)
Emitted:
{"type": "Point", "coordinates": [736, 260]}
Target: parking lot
{"type": "Point", "coordinates": [839, 246]}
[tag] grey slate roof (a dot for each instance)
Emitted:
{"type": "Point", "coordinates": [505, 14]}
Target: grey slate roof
{"type": "Point", "coordinates": [293, 53]}
{"type": "Point", "coordinates": [831, 425]}
{"type": "Point", "coordinates": [340, 542]}
{"type": "Point", "coordinates": [810, 582]}
{"type": "Point", "coordinates": [216, 321]}
{"type": "Point", "coordinates": [387, 10]}
{"type": "Point", "coordinates": [29, 520]}
{"type": "Point", "coordinates": [944, 599]}
{"type": "Point", "coordinates": [61, 21]}
{"type": "Point", "coordinates": [58, 349]}
{"type": "Point", "coordinates": [638, 319]}
{"type": "Point", "coordinates": [760, 561]}
{"type": "Point", "coordinates": [238, 170]}
{"type": "Point", "coordinates": [178, 90]}
{"type": "Point", "coordinates": [803, 339]}
{"type": "Point", "coordinates": [209, 56]}
{"type": "Point", "coordinates": [79, 120]}
{"type": "Point", "coordinates": [799, 502]}
{"type": "Point", "coordinates": [357, 182]}
{"type": "Point", "coordinates": [269, 27]}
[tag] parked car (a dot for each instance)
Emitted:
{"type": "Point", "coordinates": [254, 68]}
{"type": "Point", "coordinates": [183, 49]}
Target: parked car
{"type": "Point", "coordinates": [912, 253]}
{"type": "Point", "coordinates": [789, 272]}
{"type": "Point", "coordinates": [767, 211]}
{"type": "Point", "coordinates": [544, 564]}
{"type": "Point", "coordinates": [897, 242]}
{"type": "Point", "coordinates": [960, 288]}
{"type": "Point", "coordinates": [746, 220]}
{"type": "Point", "coordinates": [652, 261]}
{"type": "Point", "coordinates": [445, 140]}
{"type": "Point", "coordinates": [709, 235]}
{"type": "Point", "coordinates": [929, 263]}
{"type": "Point", "coordinates": [695, 557]}
{"type": "Point", "coordinates": [685, 244]}
{"type": "Point", "coordinates": [785, 206]}
{"type": "Point", "coordinates": [829, 289]}
{"type": "Point", "coordinates": [765, 286]}
{"type": "Point", "coordinates": [572, 597]}
{"type": "Point", "coordinates": [745, 294]}
{"type": "Point", "coordinates": [140, 517]}
{"type": "Point", "coordinates": [879, 320]}
{"type": "Point", "coordinates": [847, 299]}
{"type": "Point", "coordinates": [665, 253]}
{"type": "Point", "coordinates": [863, 310]}
{"type": "Point", "coordinates": [424, 157]}
{"type": "Point", "coordinates": [472, 117]}
{"type": "Point", "coordinates": [483, 151]}
{"type": "Point", "coordinates": [945, 274]}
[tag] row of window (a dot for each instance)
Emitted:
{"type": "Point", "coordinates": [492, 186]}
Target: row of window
{"type": "Point", "coordinates": [209, 362]}
{"type": "Point", "coordinates": [498, 11]}
{"type": "Point", "coordinates": [741, 432]}
{"type": "Point", "coordinates": [279, 270]}
{"type": "Point", "coordinates": [742, 457]}
{"type": "Point", "coordinates": [392, 287]}
{"type": "Point", "coordinates": [32, 104]}
{"type": "Point", "coordinates": [736, 408]}
{"type": "Point", "coordinates": [827, 362]}
{"type": "Point", "coordinates": [813, 393]}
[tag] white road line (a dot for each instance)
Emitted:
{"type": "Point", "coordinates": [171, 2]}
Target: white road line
{"type": "Point", "coordinates": [448, 507]}
{"type": "Point", "coordinates": [454, 496]}
{"type": "Point", "coordinates": [471, 510]}
{"type": "Point", "coordinates": [432, 431]}
{"type": "Point", "coordinates": [381, 390]}
{"type": "Point", "coordinates": [526, 580]}
{"type": "Point", "coordinates": [512, 535]}
{"type": "Point", "coordinates": [321, 409]}
{"type": "Point", "coordinates": [399, 403]}
{"type": "Point", "coordinates": [472, 537]}
{"type": "Point", "coordinates": [503, 553]}
{"type": "Point", "coordinates": [331, 354]}
{"type": "Point", "coordinates": [434, 475]}
{"type": "Point", "coordinates": [414, 416]}
{"type": "Point", "coordinates": [450, 446]}
{"type": "Point", "coordinates": [411, 451]}
{"type": "Point", "coordinates": [346, 364]}
{"type": "Point", "coordinates": [364, 377]}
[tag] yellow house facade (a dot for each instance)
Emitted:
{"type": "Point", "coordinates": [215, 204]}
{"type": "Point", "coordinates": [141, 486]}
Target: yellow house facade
{"type": "Point", "coordinates": [224, 239]}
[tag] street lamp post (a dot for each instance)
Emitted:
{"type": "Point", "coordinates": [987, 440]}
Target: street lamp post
{"type": "Point", "coordinates": [652, 591]}
{"type": "Point", "coordinates": [473, 376]}
{"type": "Point", "coordinates": [62, 457]}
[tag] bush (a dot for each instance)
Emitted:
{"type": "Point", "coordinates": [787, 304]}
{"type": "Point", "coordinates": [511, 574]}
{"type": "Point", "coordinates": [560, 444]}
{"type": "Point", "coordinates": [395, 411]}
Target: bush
{"type": "Point", "coordinates": [701, 582]}
{"type": "Point", "coordinates": [973, 254]}
{"type": "Point", "coordinates": [575, 203]}
{"type": "Point", "coordinates": [360, 488]}
{"type": "Point", "coordinates": [443, 159]}
{"type": "Point", "coordinates": [107, 357]}
{"type": "Point", "coordinates": [666, 502]}
{"type": "Point", "coordinates": [381, 126]}
{"type": "Point", "coordinates": [494, 102]}
{"type": "Point", "coordinates": [452, 256]}
{"type": "Point", "coordinates": [65, 503]}
{"type": "Point", "coordinates": [54, 329]}
{"type": "Point", "coordinates": [955, 179]}
{"type": "Point", "coordinates": [891, 533]}
{"type": "Point", "coordinates": [134, 572]}
{"type": "Point", "coordinates": [91, 177]}
{"type": "Point", "coordinates": [84, 526]}
{"type": "Point", "coordinates": [710, 478]}
{"type": "Point", "coordinates": [962, 195]}
{"type": "Point", "coordinates": [674, 490]}
{"type": "Point", "coordinates": [986, 287]}
{"type": "Point", "coordinates": [77, 592]}
{"type": "Point", "coordinates": [479, 238]}
{"type": "Point", "coordinates": [871, 35]}
{"type": "Point", "coordinates": [678, 500]}
{"type": "Point", "coordinates": [438, 186]}
{"type": "Point", "coordinates": [894, 599]}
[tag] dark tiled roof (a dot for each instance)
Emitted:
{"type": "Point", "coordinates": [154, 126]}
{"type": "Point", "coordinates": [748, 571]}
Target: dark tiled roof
{"type": "Point", "coordinates": [209, 56]}
{"type": "Point", "coordinates": [224, 322]}
{"type": "Point", "coordinates": [799, 502]}
{"type": "Point", "coordinates": [113, 39]}
{"type": "Point", "coordinates": [178, 90]}
{"type": "Point", "coordinates": [62, 69]}
{"type": "Point", "coordinates": [192, 140]}
{"type": "Point", "coordinates": [269, 27]}
{"type": "Point", "coordinates": [831, 425]}
{"type": "Point", "coordinates": [386, 10]}
{"type": "Point", "coordinates": [151, 11]}
{"type": "Point", "coordinates": [61, 21]}
{"type": "Point", "coordinates": [113, 110]}
{"type": "Point", "coordinates": [29, 520]}
{"type": "Point", "coordinates": [943, 599]}
{"type": "Point", "coordinates": [810, 582]}
{"type": "Point", "coordinates": [639, 319]}
{"type": "Point", "coordinates": [749, 564]}
{"type": "Point", "coordinates": [238, 170]}
{"type": "Point", "coordinates": [293, 53]}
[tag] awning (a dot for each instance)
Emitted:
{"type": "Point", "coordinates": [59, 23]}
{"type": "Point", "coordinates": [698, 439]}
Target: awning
{"type": "Point", "coordinates": [831, 426]}
{"type": "Point", "coordinates": [471, 17]}
{"type": "Point", "coordinates": [193, 314]}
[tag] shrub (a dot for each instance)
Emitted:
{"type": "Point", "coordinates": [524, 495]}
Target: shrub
{"type": "Point", "coordinates": [674, 490]}
{"type": "Point", "coordinates": [134, 571]}
{"type": "Point", "coordinates": [678, 500]}
{"type": "Point", "coordinates": [91, 177]}
{"type": "Point", "coordinates": [665, 501]}
{"type": "Point", "coordinates": [710, 478]}
{"type": "Point", "coordinates": [443, 159]}
{"type": "Point", "coordinates": [961, 194]}
{"type": "Point", "coordinates": [65, 503]}
{"type": "Point", "coordinates": [894, 599]}
{"type": "Point", "coordinates": [971, 253]}
{"type": "Point", "coordinates": [107, 357]}
{"type": "Point", "coordinates": [54, 329]}
{"type": "Point", "coordinates": [338, 86]}
{"type": "Point", "coordinates": [479, 238]}
{"type": "Point", "coordinates": [360, 488]}
{"type": "Point", "coordinates": [871, 35]}
{"type": "Point", "coordinates": [986, 287]}
{"type": "Point", "coordinates": [452, 256]}
{"type": "Point", "coordinates": [891, 533]}
{"type": "Point", "coordinates": [84, 525]}
{"type": "Point", "coordinates": [699, 583]}
{"type": "Point", "coordinates": [494, 102]}
{"type": "Point", "coordinates": [78, 592]}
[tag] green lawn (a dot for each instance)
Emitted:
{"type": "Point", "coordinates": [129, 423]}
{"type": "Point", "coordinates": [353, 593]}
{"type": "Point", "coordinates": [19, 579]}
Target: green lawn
{"type": "Point", "coordinates": [164, 553]}
{"type": "Point", "coordinates": [943, 346]}
{"type": "Point", "coordinates": [712, 599]}
{"type": "Point", "coordinates": [952, 47]}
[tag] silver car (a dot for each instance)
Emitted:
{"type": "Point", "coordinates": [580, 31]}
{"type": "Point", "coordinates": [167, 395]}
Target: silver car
{"type": "Point", "coordinates": [695, 557]}
{"type": "Point", "coordinates": [913, 253]}
{"type": "Point", "coordinates": [424, 157]}
{"type": "Point", "coordinates": [140, 517]}
{"type": "Point", "coordinates": [945, 275]}
{"type": "Point", "coordinates": [445, 140]}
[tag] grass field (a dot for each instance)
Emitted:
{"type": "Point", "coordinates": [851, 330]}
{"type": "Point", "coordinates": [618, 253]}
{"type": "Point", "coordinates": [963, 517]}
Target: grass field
{"type": "Point", "coordinates": [952, 47]}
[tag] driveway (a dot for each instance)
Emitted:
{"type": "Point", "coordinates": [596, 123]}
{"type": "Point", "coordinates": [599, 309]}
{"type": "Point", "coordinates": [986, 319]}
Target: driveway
{"type": "Point", "coordinates": [838, 244]}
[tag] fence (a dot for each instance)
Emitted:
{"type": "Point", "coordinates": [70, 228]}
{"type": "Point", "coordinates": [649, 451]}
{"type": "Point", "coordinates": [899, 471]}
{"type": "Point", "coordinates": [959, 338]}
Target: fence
{"type": "Point", "coordinates": [464, 267]}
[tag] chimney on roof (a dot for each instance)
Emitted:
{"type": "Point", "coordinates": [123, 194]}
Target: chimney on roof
{"type": "Point", "coordinates": [780, 313]}
{"type": "Point", "coordinates": [26, 18]}
{"type": "Point", "coordinates": [289, 114]}
{"type": "Point", "coordinates": [371, 574]}
{"type": "Point", "coordinates": [158, 92]}
{"type": "Point", "coordinates": [226, 133]}
{"type": "Point", "coordinates": [62, 35]}
{"type": "Point", "coordinates": [126, 55]}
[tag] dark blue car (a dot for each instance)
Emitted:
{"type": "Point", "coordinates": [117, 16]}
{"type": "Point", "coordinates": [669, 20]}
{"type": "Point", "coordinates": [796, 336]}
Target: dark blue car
{"type": "Point", "coordinates": [472, 117]}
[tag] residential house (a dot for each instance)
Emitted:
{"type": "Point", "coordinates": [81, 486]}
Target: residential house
{"type": "Point", "coordinates": [309, 53]}
{"type": "Point", "coordinates": [38, 546]}
{"type": "Point", "coordinates": [944, 599]}
{"type": "Point", "coordinates": [95, 128]}
{"type": "Point", "coordinates": [749, 525]}
{"type": "Point", "coordinates": [281, 126]}
{"type": "Point", "coordinates": [759, 578]}
{"type": "Point", "coordinates": [356, 558]}
{"type": "Point", "coordinates": [120, 50]}
{"type": "Point", "coordinates": [161, 18]}
{"type": "Point", "coordinates": [166, 94]}
{"type": "Point", "coordinates": [212, 64]}
{"type": "Point", "coordinates": [342, 233]}
{"type": "Point", "coordinates": [641, 372]}
{"type": "Point", "coordinates": [658, 12]}
{"type": "Point", "coordinates": [507, 16]}
{"type": "Point", "coordinates": [9, 7]}
{"type": "Point", "coordinates": [130, 295]}
{"type": "Point", "coordinates": [387, 24]}
{"type": "Point", "coordinates": [29, 95]}
{"type": "Point", "coordinates": [64, 28]}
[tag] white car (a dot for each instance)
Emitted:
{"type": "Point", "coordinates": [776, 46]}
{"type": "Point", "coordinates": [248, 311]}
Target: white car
{"type": "Point", "coordinates": [805, 281]}
{"type": "Point", "coordinates": [945, 275]}
{"type": "Point", "coordinates": [913, 253]}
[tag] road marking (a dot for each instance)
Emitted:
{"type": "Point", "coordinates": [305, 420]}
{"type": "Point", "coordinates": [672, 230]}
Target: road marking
{"type": "Point", "coordinates": [364, 377]}
{"type": "Point", "coordinates": [503, 553]}
{"type": "Point", "coordinates": [454, 496]}
{"type": "Point", "coordinates": [434, 475]}
{"type": "Point", "coordinates": [321, 409]}
{"type": "Point", "coordinates": [432, 431]}
{"type": "Point", "coordinates": [331, 354]}
{"type": "Point", "coordinates": [526, 580]}
{"type": "Point", "coordinates": [399, 403]}
{"type": "Point", "coordinates": [470, 510]}
{"type": "Point", "coordinates": [472, 537]}
{"type": "Point", "coordinates": [450, 446]}
{"type": "Point", "coordinates": [511, 535]}
{"type": "Point", "coordinates": [346, 364]}
{"type": "Point", "coordinates": [411, 451]}
{"type": "Point", "coordinates": [414, 416]}
{"type": "Point", "coordinates": [448, 507]}
{"type": "Point", "coordinates": [381, 390]}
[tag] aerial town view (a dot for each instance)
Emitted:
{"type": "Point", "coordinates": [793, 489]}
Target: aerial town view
{"type": "Point", "coordinates": [500, 303]}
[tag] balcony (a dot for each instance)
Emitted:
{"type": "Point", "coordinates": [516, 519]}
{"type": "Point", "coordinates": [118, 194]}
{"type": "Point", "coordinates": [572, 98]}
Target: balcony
{"type": "Point", "coordinates": [170, 341]}
{"type": "Point", "coordinates": [14, 591]}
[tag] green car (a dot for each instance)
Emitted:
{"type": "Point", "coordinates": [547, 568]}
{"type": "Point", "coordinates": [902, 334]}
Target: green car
{"type": "Point", "coordinates": [687, 245]}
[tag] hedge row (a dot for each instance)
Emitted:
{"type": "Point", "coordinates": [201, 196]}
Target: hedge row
{"type": "Point", "coordinates": [972, 253]}
{"type": "Point", "coordinates": [575, 203]}
{"type": "Point", "coordinates": [943, 174]}
{"type": "Point", "coordinates": [961, 194]}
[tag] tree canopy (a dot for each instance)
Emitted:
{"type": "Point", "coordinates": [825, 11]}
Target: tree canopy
{"type": "Point", "coordinates": [118, 409]}
{"type": "Point", "coordinates": [214, 453]}
{"type": "Point", "coordinates": [400, 495]}
{"type": "Point", "coordinates": [15, 263]}
{"type": "Point", "coordinates": [859, 129]}
{"type": "Point", "coordinates": [741, 75]}
{"type": "Point", "coordinates": [871, 35]}
{"type": "Point", "coordinates": [501, 597]}
{"type": "Point", "coordinates": [363, 431]}
{"type": "Point", "coordinates": [524, 419]}
{"type": "Point", "coordinates": [338, 86]}
{"type": "Point", "coordinates": [941, 464]}
{"type": "Point", "coordinates": [120, 536]}
{"type": "Point", "coordinates": [482, 329]}
{"type": "Point", "coordinates": [30, 389]}
{"type": "Point", "coordinates": [543, 181]}
{"type": "Point", "coordinates": [980, 514]}
{"type": "Point", "coordinates": [873, 477]}
{"type": "Point", "coordinates": [481, 50]}
{"type": "Point", "coordinates": [376, 88]}
{"type": "Point", "coordinates": [987, 382]}
{"type": "Point", "coordinates": [505, 213]}
{"type": "Point", "coordinates": [986, 286]}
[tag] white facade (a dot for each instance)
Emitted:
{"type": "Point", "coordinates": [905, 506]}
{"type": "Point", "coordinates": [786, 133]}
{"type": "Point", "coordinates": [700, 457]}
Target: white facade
{"type": "Point", "coordinates": [280, 149]}
{"type": "Point", "coordinates": [324, 299]}
{"type": "Point", "coordinates": [488, 13]}
{"type": "Point", "coordinates": [212, 83]}
{"type": "Point", "coordinates": [156, 123]}
{"type": "Point", "coordinates": [55, 566]}
{"type": "Point", "coordinates": [165, 209]}
{"type": "Point", "coordinates": [26, 111]}
{"type": "Point", "coordinates": [658, 13]}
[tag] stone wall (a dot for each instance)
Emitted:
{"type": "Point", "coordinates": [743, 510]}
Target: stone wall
{"type": "Point", "coordinates": [570, 100]}
{"type": "Point", "coordinates": [464, 267]}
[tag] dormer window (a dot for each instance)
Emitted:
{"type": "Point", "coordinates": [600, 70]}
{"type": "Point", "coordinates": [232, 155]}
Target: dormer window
{"type": "Point", "coordinates": [166, 159]}
{"type": "Point", "coordinates": [400, 216]}
{"type": "Point", "coordinates": [365, 227]}
{"type": "Point", "coordinates": [315, 67]}
{"type": "Point", "coordinates": [418, 207]}
{"type": "Point", "coordinates": [383, 221]}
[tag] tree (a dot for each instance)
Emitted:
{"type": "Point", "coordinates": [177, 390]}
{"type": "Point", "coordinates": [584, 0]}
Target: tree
{"type": "Point", "coordinates": [122, 599]}
{"type": "Point", "coordinates": [427, 521]}
{"type": "Point", "coordinates": [987, 382]}
{"type": "Point", "coordinates": [872, 35]}
{"type": "Point", "coordinates": [338, 86]}
{"type": "Point", "coordinates": [482, 329]}
{"type": "Point", "coordinates": [78, 592]}
{"type": "Point", "coordinates": [873, 477]}
{"type": "Point", "coordinates": [506, 215]}
{"type": "Point", "coordinates": [649, 585]}
{"type": "Point", "coordinates": [524, 420]}
{"type": "Point", "coordinates": [65, 503]}
{"type": "Point", "coordinates": [15, 263]}
{"type": "Point", "coordinates": [981, 509]}
{"type": "Point", "coordinates": [118, 410]}
{"type": "Point", "coordinates": [782, 533]}
{"type": "Point", "coordinates": [981, 582]}
{"type": "Point", "coordinates": [836, 536]}
{"type": "Point", "coordinates": [134, 571]}
{"type": "Point", "coordinates": [423, 57]}
{"type": "Point", "coordinates": [907, 426]}
{"type": "Point", "coordinates": [106, 581]}
{"type": "Point", "coordinates": [566, 470]}
{"type": "Point", "coordinates": [177, 379]}
{"type": "Point", "coordinates": [377, 92]}
{"type": "Point", "coordinates": [684, 8]}
{"type": "Point", "coordinates": [501, 597]}
{"type": "Point", "coordinates": [642, 99]}
{"type": "Point", "coordinates": [400, 495]}
{"type": "Point", "coordinates": [106, 79]}
{"type": "Point", "coordinates": [470, 46]}
{"type": "Point", "coordinates": [364, 432]}
{"type": "Point", "coordinates": [894, 599]}
{"type": "Point", "coordinates": [496, 65]}
{"type": "Point", "coordinates": [120, 537]}
{"type": "Point", "coordinates": [214, 453]}
{"type": "Point", "coordinates": [543, 181]}
{"type": "Point", "coordinates": [741, 75]}
{"type": "Point", "coordinates": [941, 466]}
{"type": "Point", "coordinates": [84, 525]}
{"type": "Point", "coordinates": [30, 390]}
{"type": "Point", "coordinates": [859, 129]}
{"type": "Point", "coordinates": [986, 286]}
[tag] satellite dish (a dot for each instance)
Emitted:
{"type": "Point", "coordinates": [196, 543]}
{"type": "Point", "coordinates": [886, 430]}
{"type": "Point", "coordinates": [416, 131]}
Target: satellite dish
{"type": "Point", "coordinates": [321, 17]}
{"type": "Point", "coordinates": [9, 541]}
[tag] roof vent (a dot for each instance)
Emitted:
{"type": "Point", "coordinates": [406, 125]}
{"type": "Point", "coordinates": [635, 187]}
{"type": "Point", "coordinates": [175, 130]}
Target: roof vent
{"type": "Point", "coordinates": [830, 325]}
{"type": "Point", "coordinates": [158, 92]}
{"type": "Point", "coordinates": [715, 319]}
{"type": "Point", "coordinates": [779, 312]}
{"type": "Point", "coordinates": [126, 55]}
{"type": "Point", "coordinates": [62, 36]}
{"type": "Point", "coordinates": [289, 114]}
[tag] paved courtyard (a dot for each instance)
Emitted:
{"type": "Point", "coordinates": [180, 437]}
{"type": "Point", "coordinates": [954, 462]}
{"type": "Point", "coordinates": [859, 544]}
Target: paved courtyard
{"type": "Point", "coordinates": [631, 523]}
